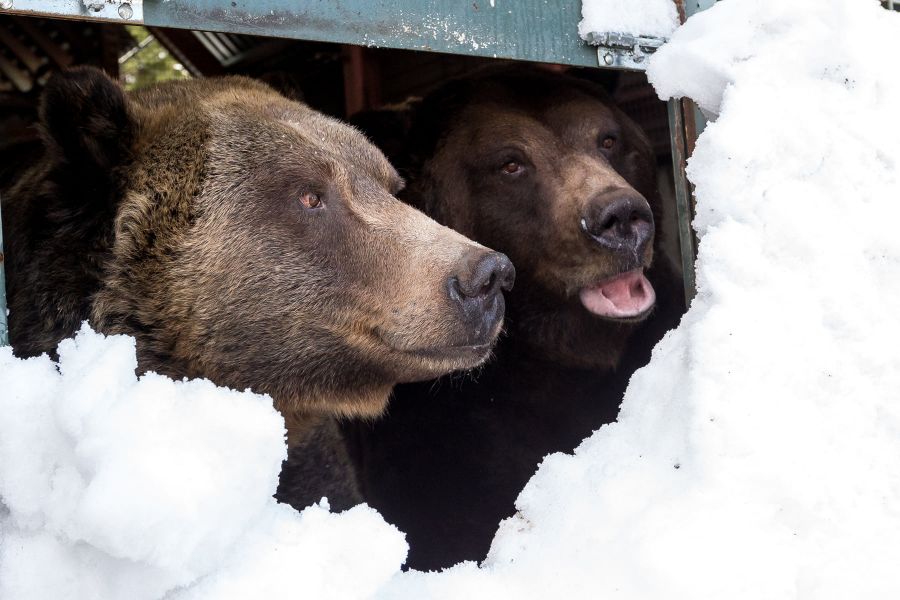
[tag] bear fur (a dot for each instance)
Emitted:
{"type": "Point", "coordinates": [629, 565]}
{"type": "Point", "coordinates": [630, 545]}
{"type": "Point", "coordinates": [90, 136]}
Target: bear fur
{"type": "Point", "coordinates": [448, 461]}
{"type": "Point", "coordinates": [243, 238]}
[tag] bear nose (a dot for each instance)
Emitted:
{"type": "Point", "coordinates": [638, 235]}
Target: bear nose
{"type": "Point", "coordinates": [478, 294]}
{"type": "Point", "coordinates": [624, 224]}
{"type": "Point", "coordinates": [492, 272]}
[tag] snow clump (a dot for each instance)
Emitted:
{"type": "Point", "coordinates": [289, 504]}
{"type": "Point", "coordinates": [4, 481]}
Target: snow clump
{"type": "Point", "coordinates": [114, 486]}
{"type": "Point", "coordinates": [656, 18]}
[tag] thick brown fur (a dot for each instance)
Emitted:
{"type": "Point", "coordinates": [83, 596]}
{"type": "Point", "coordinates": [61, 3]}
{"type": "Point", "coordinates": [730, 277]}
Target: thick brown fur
{"type": "Point", "coordinates": [449, 459]}
{"type": "Point", "coordinates": [174, 215]}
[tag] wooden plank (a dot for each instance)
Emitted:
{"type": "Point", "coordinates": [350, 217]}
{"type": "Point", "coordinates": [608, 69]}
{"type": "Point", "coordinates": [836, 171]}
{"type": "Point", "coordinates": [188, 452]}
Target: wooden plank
{"type": "Point", "coordinates": [20, 78]}
{"type": "Point", "coordinates": [40, 37]}
{"type": "Point", "coordinates": [22, 52]}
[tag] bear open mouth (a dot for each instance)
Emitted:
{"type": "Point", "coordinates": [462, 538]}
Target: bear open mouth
{"type": "Point", "coordinates": [624, 296]}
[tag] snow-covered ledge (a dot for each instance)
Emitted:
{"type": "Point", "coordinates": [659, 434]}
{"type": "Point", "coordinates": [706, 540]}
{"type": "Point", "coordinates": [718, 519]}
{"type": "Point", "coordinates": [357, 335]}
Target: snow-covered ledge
{"type": "Point", "coordinates": [651, 18]}
{"type": "Point", "coordinates": [757, 456]}
{"type": "Point", "coordinates": [627, 32]}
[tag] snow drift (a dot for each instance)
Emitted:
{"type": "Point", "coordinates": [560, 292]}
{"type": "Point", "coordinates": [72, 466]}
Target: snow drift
{"type": "Point", "coordinates": [124, 487]}
{"type": "Point", "coordinates": [757, 456]}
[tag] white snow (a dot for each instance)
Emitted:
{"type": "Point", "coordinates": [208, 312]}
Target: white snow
{"type": "Point", "coordinates": [119, 487]}
{"type": "Point", "coordinates": [656, 18]}
{"type": "Point", "coordinates": [757, 456]}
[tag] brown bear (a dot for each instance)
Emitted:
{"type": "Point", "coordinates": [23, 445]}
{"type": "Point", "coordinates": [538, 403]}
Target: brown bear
{"type": "Point", "coordinates": [244, 238]}
{"type": "Point", "coordinates": [543, 167]}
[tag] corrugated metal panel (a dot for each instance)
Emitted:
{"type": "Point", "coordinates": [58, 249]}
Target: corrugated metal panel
{"type": "Point", "coordinates": [227, 48]}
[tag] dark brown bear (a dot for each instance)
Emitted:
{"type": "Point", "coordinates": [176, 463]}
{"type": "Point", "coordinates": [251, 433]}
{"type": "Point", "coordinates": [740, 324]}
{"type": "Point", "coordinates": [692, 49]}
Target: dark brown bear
{"type": "Point", "coordinates": [543, 167]}
{"type": "Point", "coordinates": [244, 238]}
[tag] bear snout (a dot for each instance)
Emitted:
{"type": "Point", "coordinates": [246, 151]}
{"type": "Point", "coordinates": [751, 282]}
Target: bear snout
{"type": "Point", "coordinates": [478, 293]}
{"type": "Point", "coordinates": [619, 221]}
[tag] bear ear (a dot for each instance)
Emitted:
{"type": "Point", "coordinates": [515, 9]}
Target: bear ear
{"type": "Point", "coordinates": [86, 115]}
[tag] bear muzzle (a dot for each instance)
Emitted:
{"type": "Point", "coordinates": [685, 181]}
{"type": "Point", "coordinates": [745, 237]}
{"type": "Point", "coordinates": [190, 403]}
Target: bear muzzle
{"type": "Point", "coordinates": [620, 222]}
{"type": "Point", "coordinates": [478, 294]}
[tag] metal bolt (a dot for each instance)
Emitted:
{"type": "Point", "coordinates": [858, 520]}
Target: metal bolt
{"type": "Point", "coordinates": [95, 6]}
{"type": "Point", "coordinates": [608, 58]}
{"type": "Point", "coordinates": [125, 11]}
{"type": "Point", "coordinates": [6, 3]}
{"type": "Point", "coordinates": [638, 53]}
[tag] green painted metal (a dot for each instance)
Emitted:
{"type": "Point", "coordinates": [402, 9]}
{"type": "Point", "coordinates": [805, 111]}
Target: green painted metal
{"type": "Point", "coordinates": [534, 30]}
{"type": "Point", "coordinates": [4, 330]}
{"type": "Point", "coordinates": [692, 7]}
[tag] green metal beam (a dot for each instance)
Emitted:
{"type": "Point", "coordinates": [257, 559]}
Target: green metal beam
{"type": "Point", "coordinates": [535, 30]}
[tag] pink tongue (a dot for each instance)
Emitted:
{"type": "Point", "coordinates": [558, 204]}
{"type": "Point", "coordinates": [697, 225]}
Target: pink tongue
{"type": "Point", "coordinates": [625, 295]}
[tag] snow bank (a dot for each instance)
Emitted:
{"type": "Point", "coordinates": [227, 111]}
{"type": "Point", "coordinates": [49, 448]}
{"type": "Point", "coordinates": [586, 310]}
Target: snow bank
{"type": "Point", "coordinates": [119, 487]}
{"type": "Point", "coordinates": [657, 18]}
{"type": "Point", "coordinates": [757, 456]}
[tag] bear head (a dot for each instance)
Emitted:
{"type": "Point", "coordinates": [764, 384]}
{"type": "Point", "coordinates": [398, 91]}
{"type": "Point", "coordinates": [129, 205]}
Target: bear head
{"type": "Point", "coordinates": [245, 238]}
{"type": "Point", "coordinates": [544, 167]}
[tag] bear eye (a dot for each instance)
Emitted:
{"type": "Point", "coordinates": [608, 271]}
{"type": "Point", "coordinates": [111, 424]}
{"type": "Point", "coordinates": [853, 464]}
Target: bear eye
{"type": "Point", "coordinates": [310, 200]}
{"type": "Point", "coordinates": [512, 168]}
{"type": "Point", "coordinates": [607, 142]}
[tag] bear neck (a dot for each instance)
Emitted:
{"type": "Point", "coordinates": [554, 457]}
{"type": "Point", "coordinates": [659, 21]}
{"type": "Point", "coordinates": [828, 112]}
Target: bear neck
{"type": "Point", "coordinates": [563, 335]}
{"type": "Point", "coordinates": [305, 414]}
{"type": "Point", "coordinates": [303, 426]}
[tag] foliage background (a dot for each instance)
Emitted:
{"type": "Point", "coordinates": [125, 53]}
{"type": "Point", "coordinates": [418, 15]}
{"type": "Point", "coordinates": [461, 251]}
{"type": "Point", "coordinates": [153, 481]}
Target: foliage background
{"type": "Point", "coordinates": [148, 62]}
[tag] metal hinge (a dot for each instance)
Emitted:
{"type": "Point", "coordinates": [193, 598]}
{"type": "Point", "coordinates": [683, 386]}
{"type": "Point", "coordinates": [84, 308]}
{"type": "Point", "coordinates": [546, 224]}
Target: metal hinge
{"type": "Point", "coordinates": [623, 50]}
{"type": "Point", "coordinates": [130, 11]}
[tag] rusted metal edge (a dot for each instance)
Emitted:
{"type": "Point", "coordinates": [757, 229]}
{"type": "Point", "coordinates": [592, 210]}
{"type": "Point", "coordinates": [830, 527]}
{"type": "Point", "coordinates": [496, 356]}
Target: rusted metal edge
{"type": "Point", "coordinates": [685, 125]}
{"type": "Point", "coordinates": [683, 195]}
{"type": "Point", "coordinates": [4, 329]}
